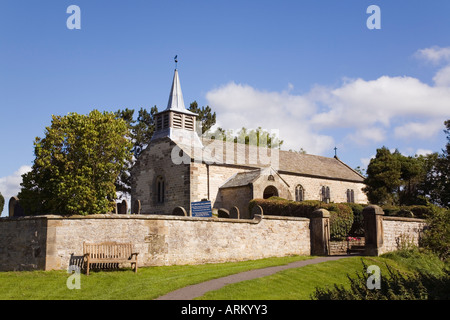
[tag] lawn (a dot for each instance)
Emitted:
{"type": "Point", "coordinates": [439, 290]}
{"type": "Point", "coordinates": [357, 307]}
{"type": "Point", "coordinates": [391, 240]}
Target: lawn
{"type": "Point", "coordinates": [148, 283]}
{"type": "Point", "coordinates": [152, 282]}
{"type": "Point", "coordinates": [299, 283]}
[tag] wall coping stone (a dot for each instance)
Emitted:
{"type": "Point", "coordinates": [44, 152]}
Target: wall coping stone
{"type": "Point", "coordinates": [405, 219]}
{"type": "Point", "coordinates": [257, 219]}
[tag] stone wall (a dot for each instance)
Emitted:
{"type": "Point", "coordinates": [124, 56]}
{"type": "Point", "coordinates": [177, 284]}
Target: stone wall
{"type": "Point", "coordinates": [313, 186]}
{"type": "Point", "coordinates": [23, 243]}
{"type": "Point", "coordinates": [156, 161]}
{"type": "Point", "coordinates": [399, 232]}
{"type": "Point", "coordinates": [53, 242]}
{"type": "Point", "coordinates": [385, 234]}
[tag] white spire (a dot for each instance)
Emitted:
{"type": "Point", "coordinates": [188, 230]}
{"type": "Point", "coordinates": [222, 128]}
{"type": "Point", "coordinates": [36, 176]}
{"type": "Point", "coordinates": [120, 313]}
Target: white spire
{"type": "Point", "coordinates": [176, 101]}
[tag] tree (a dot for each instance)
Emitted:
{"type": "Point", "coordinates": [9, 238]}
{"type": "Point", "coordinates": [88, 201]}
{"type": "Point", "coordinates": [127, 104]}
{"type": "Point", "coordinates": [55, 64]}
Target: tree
{"type": "Point", "coordinates": [205, 116]}
{"type": "Point", "coordinates": [443, 169]}
{"type": "Point", "coordinates": [141, 131]}
{"type": "Point", "coordinates": [383, 178]}
{"type": "Point", "coordinates": [76, 165]}
{"type": "Point", "coordinates": [2, 202]}
{"type": "Point", "coordinates": [257, 137]}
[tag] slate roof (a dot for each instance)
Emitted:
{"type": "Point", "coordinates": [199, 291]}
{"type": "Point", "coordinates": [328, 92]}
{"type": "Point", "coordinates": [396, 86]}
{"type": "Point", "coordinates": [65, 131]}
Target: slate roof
{"type": "Point", "coordinates": [242, 179]}
{"type": "Point", "coordinates": [228, 153]}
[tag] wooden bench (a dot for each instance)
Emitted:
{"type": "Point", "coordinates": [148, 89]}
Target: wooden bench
{"type": "Point", "coordinates": [109, 252]}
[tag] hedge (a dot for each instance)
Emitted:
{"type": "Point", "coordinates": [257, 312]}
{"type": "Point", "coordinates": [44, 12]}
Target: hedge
{"type": "Point", "coordinates": [341, 214]}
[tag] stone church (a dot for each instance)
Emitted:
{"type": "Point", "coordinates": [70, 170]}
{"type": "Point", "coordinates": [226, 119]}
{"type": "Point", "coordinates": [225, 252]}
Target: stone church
{"type": "Point", "coordinates": [179, 167]}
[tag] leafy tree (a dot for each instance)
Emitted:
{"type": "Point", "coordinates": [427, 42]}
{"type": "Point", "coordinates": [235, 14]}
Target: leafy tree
{"type": "Point", "coordinates": [383, 178]}
{"type": "Point", "coordinates": [258, 137]}
{"type": "Point", "coordinates": [2, 202]}
{"type": "Point", "coordinates": [205, 116]}
{"type": "Point", "coordinates": [141, 131]}
{"type": "Point", "coordinates": [442, 178]}
{"type": "Point", "coordinates": [76, 165]}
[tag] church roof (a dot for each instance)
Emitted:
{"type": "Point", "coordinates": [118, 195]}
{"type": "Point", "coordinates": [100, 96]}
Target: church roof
{"type": "Point", "coordinates": [229, 153]}
{"type": "Point", "coordinates": [242, 179]}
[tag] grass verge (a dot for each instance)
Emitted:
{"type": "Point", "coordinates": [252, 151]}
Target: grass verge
{"type": "Point", "coordinates": [124, 284]}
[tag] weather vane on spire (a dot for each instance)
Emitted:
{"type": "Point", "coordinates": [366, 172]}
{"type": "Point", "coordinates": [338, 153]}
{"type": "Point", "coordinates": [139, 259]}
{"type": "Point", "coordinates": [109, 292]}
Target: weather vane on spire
{"type": "Point", "coordinates": [176, 61]}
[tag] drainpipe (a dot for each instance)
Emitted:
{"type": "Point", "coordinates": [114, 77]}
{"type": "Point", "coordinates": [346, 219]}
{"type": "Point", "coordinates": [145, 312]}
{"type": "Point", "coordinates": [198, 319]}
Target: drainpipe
{"type": "Point", "coordinates": [207, 174]}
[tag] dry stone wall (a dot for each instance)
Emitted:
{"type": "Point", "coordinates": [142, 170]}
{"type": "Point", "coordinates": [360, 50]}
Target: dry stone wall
{"type": "Point", "coordinates": [53, 242]}
{"type": "Point", "coordinates": [400, 232]}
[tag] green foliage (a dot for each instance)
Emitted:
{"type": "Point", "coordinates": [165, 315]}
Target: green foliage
{"type": "Point", "coordinates": [341, 220]}
{"type": "Point", "coordinates": [205, 116]}
{"type": "Point", "coordinates": [436, 236]}
{"type": "Point", "coordinates": [394, 179]}
{"type": "Point", "coordinates": [2, 202]}
{"type": "Point", "coordinates": [256, 137]}
{"type": "Point", "coordinates": [76, 165]}
{"type": "Point", "coordinates": [394, 286]}
{"type": "Point", "coordinates": [341, 214]}
{"type": "Point", "coordinates": [140, 131]}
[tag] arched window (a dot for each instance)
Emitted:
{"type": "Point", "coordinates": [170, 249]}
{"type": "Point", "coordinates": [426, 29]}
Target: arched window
{"type": "Point", "coordinates": [299, 193]}
{"type": "Point", "coordinates": [160, 189]}
{"type": "Point", "coordinates": [350, 196]}
{"type": "Point", "coordinates": [326, 194]}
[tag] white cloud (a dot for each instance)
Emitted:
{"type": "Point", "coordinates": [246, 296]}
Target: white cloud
{"type": "Point", "coordinates": [423, 152]}
{"type": "Point", "coordinates": [244, 106]}
{"type": "Point", "coordinates": [434, 54]}
{"type": "Point", "coordinates": [418, 130]}
{"type": "Point", "coordinates": [365, 161]}
{"type": "Point", "coordinates": [362, 111]}
{"type": "Point", "coordinates": [442, 77]}
{"type": "Point", "coordinates": [10, 185]}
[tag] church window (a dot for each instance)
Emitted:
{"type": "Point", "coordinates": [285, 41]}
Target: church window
{"type": "Point", "coordinates": [326, 194]}
{"type": "Point", "coordinates": [177, 120]}
{"type": "Point", "coordinates": [166, 121]}
{"type": "Point", "coordinates": [160, 189]}
{"type": "Point", "coordinates": [299, 193]}
{"type": "Point", "coordinates": [159, 123]}
{"type": "Point", "coordinates": [271, 178]}
{"type": "Point", "coordinates": [189, 123]}
{"type": "Point", "coordinates": [350, 196]}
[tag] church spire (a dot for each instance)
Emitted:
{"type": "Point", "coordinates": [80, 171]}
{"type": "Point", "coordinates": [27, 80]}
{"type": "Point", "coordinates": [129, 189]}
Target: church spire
{"type": "Point", "coordinates": [176, 101]}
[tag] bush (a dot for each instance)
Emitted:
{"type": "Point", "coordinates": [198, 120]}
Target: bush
{"type": "Point", "coordinates": [357, 229]}
{"type": "Point", "coordinates": [341, 215]}
{"type": "Point", "coordinates": [395, 286]}
{"type": "Point", "coordinates": [341, 220]}
{"type": "Point", "coordinates": [2, 202]}
{"type": "Point", "coordinates": [436, 236]}
{"type": "Point", "coordinates": [416, 211]}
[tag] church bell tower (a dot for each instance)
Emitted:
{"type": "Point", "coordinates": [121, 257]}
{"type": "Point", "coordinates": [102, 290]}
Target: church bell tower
{"type": "Point", "coordinates": [176, 122]}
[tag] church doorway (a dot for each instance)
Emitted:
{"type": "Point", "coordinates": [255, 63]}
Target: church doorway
{"type": "Point", "coordinates": [270, 191]}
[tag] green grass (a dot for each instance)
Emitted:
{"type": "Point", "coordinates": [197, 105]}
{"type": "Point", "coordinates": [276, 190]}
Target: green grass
{"type": "Point", "coordinates": [299, 283]}
{"type": "Point", "coordinates": [148, 283]}
{"type": "Point", "coordinates": [152, 282]}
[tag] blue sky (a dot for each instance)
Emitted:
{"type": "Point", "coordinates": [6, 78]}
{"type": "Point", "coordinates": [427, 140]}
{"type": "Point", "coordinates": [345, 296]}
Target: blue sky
{"type": "Point", "coordinates": [310, 69]}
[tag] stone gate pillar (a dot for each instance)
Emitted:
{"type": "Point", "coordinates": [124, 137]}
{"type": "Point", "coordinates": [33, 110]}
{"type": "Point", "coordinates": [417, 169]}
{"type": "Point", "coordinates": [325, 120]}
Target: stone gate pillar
{"type": "Point", "coordinates": [373, 229]}
{"type": "Point", "coordinates": [320, 232]}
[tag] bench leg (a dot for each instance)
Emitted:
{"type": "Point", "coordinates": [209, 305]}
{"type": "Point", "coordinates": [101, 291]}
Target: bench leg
{"type": "Point", "coordinates": [87, 268]}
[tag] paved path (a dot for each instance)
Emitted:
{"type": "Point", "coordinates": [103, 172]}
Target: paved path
{"type": "Point", "coordinates": [197, 290]}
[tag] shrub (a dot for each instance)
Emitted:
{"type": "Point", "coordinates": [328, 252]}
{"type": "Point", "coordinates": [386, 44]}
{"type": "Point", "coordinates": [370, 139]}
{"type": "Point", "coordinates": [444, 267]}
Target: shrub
{"type": "Point", "coordinates": [357, 229]}
{"type": "Point", "coordinates": [395, 286]}
{"type": "Point", "coordinates": [341, 220]}
{"type": "Point", "coordinates": [436, 236]}
{"type": "Point", "coordinates": [341, 215]}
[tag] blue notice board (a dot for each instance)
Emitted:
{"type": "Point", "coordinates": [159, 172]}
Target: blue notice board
{"type": "Point", "coordinates": [201, 209]}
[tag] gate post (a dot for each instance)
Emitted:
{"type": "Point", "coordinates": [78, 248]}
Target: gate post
{"type": "Point", "coordinates": [373, 229]}
{"type": "Point", "coordinates": [320, 232]}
